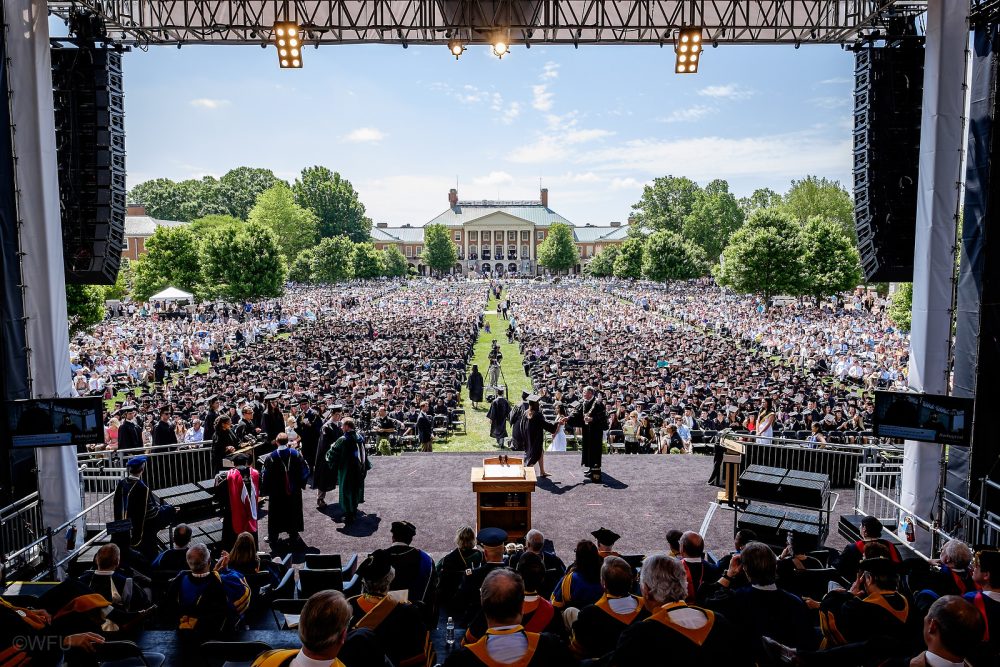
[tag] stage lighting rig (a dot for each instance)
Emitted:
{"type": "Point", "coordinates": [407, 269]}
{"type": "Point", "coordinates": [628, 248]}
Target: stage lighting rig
{"type": "Point", "coordinates": [501, 44]}
{"type": "Point", "coordinates": [456, 48]}
{"type": "Point", "coordinates": [288, 41]}
{"type": "Point", "coordinates": [688, 49]}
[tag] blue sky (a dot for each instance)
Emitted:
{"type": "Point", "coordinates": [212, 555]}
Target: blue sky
{"type": "Point", "coordinates": [594, 123]}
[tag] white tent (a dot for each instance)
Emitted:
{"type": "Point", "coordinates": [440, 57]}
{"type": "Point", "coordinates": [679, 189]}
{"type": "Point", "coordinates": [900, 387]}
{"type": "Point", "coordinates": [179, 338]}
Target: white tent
{"type": "Point", "coordinates": [172, 294]}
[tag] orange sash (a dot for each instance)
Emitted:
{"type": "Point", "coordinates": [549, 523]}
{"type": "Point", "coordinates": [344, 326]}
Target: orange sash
{"type": "Point", "coordinates": [480, 651]}
{"type": "Point", "coordinates": [694, 635]}
{"type": "Point", "coordinates": [627, 619]}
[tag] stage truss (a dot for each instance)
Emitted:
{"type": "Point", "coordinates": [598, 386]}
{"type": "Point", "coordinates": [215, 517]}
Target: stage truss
{"type": "Point", "coordinates": [525, 22]}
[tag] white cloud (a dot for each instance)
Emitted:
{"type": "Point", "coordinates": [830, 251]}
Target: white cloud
{"type": "Point", "coordinates": [208, 103]}
{"type": "Point", "coordinates": [837, 80]}
{"type": "Point", "coordinates": [583, 136]}
{"type": "Point", "coordinates": [688, 114]}
{"type": "Point", "coordinates": [544, 149]}
{"type": "Point", "coordinates": [494, 178]}
{"type": "Point", "coordinates": [625, 184]}
{"type": "Point", "coordinates": [541, 97]}
{"type": "Point", "coordinates": [704, 158]}
{"type": "Point", "coordinates": [510, 113]}
{"type": "Point", "coordinates": [550, 70]}
{"type": "Point", "coordinates": [364, 135]}
{"type": "Point", "coordinates": [831, 102]}
{"type": "Point", "coordinates": [730, 91]}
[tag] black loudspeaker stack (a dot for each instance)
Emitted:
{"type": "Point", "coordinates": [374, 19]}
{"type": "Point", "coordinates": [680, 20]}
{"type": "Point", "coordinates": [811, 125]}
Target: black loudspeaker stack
{"type": "Point", "coordinates": [90, 140]}
{"type": "Point", "coordinates": [888, 96]}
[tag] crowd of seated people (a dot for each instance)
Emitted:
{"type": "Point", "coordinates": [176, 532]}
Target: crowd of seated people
{"type": "Point", "coordinates": [524, 606]}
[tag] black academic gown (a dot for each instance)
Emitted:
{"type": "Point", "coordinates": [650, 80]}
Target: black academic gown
{"type": "Point", "coordinates": [324, 476]}
{"type": "Point", "coordinates": [467, 602]}
{"type": "Point", "coordinates": [598, 627]}
{"type": "Point", "coordinates": [164, 434]}
{"type": "Point", "coordinates": [476, 387]}
{"type": "Point", "coordinates": [549, 651]}
{"type": "Point", "coordinates": [498, 413]}
{"type": "Point", "coordinates": [129, 435]}
{"type": "Point", "coordinates": [135, 501]}
{"type": "Point", "coordinates": [593, 433]}
{"type": "Point", "coordinates": [397, 625]}
{"type": "Point", "coordinates": [283, 478]}
{"type": "Point", "coordinates": [777, 614]}
{"type": "Point", "coordinates": [529, 431]}
{"type": "Point", "coordinates": [414, 572]}
{"type": "Point", "coordinates": [654, 643]}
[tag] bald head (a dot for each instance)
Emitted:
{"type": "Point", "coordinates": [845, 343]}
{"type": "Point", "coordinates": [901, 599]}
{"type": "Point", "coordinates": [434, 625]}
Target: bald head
{"type": "Point", "coordinates": [692, 545]}
{"type": "Point", "coordinates": [502, 596]}
{"type": "Point", "coordinates": [952, 628]}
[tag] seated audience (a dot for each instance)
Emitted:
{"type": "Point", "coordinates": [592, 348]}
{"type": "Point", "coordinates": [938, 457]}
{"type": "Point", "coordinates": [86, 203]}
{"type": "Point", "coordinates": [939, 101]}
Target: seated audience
{"type": "Point", "coordinates": [414, 567]}
{"type": "Point", "coordinates": [871, 532]}
{"type": "Point", "coordinates": [743, 537]}
{"type": "Point", "coordinates": [534, 542]}
{"type": "Point", "coordinates": [323, 627]}
{"type": "Point", "coordinates": [581, 584]}
{"type": "Point", "coordinates": [398, 626]}
{"type": "Point", "coordinates": [207, 601]}
{"type": "Point", "coordinates": [174, 559]}
{"type": "Point", "coordinates": [676, 633]}
{"type": "Point", "coordinates": [506, 641]}
{"type": "Point", "coordinates": [597, 627]}
{"type": "Point", "coordinates": [795, 557]}
{"type": "Point", "coordinates": [699, 571]}
{"type": "Point", "coordinates": [125, 593]}
{"type": "Point", "coordinates": [986, 571]}
{"type": "Point", "coordinates": [467, 599]}
{"type": "Point", "coordinates": [456, 565]}
{"type": "Point", "coordinates": [537, 613]}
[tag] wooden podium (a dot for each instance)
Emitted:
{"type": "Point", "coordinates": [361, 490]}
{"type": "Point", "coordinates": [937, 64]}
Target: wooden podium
{"type": "Point", "coordinates": [503, 488]}
{"type": "Point", "coordinates": [731, 460]}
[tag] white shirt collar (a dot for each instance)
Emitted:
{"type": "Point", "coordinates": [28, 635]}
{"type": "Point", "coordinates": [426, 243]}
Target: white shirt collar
{"type": "Point", "coordinates": [692, 560]}
{"type": "Point", "coordinates": [104, 573]}
{"type": "Point", "coordinates": [765, 587]}
{"type": "Point", "coordinates": [302, 660]}
{"type": "Point", "coordinates": [934, 660]}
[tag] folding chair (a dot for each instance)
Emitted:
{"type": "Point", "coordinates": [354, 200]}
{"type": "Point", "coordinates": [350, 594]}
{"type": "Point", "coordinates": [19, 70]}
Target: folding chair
{"type": "Point", "coordinates": [127, 654]}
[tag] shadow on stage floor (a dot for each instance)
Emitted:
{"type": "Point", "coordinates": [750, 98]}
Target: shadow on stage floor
{"type": "Point", "coordinates": [641, 497]}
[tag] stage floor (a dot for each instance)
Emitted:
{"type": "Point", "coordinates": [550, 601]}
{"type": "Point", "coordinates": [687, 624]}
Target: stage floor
{"type": "Point", "coordinates": [642, 498]}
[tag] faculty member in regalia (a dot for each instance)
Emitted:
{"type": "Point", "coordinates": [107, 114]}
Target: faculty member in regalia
{"type": "Point", "coordinates": [135, 502]}
{"type": "Point", "coordinates": [349, 462]}
{"type": "Point", "coordinates": [284, 477]}
{"type": "Point", "coordinates": [237, 491]}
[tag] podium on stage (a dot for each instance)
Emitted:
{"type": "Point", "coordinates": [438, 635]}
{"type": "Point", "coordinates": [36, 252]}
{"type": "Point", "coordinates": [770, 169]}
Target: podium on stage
{"type": "Point", "coordinates": [503, 488]}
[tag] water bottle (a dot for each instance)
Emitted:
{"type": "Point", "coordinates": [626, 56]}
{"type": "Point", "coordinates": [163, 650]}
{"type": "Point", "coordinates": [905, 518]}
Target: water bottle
{"type": "Point", "coordinates": [449, 632]}
{"type": "Point", "coordinates": [71, 538]}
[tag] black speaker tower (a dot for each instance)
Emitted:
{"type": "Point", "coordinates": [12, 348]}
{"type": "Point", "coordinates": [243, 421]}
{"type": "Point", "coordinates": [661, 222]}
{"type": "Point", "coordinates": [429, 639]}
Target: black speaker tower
{"type": "Point", "coordinates": [90, 140]}
{"type": "Point", "coordinates": [888, 95]}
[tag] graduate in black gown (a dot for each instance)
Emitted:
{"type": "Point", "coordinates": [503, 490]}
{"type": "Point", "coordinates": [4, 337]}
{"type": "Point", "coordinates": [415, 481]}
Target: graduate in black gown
{"type": "Point", "coordinates": [398, 625]}
{"type": "Point", "coordinates": [498, 413]}
{"type": "Point", "coordinates": [528, 430]}
{"type": "Point", "coordinates": [325, 477]}
{"type": "Point", "coordinates": [282, 480]}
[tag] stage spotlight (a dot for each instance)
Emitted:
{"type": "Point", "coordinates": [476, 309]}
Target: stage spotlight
{"type": "Point", "coordinates": [456, 48]}
{"type": "Point", "coordinates": [289, 44]}
{"type": "Point", "coordinates": [501, 45]}
{"type": "Point", "coordinates": [688, 49]}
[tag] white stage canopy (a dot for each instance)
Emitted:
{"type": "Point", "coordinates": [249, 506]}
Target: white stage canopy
{"type": "Point", "coordinates": [172, 294]}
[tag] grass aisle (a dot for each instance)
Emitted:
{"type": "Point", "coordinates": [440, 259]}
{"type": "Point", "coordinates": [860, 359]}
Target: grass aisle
{"type": "Point", "coordinates": [478, 437]}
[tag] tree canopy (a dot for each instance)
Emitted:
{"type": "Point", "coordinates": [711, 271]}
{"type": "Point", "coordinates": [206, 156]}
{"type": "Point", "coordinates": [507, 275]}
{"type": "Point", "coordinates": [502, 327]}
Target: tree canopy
{"type": "Point", "coordinates": [84, 306]}
{"type": "Point", "coordinates": [394, 263]}
{"type": "Point", "coordinates": [334, 201]}
{"type": "Point", "coordinates": [558, 251]}
{"type": "Point", "coordinates": [831, 263]}
{"type": "Point", "coordinates": [714, 216]}
{"type": "Point", "coordinates": [171, 259]}
{"type": "Point", "coordinates": [666, 202]}
{"type": "Point", "coordinates": [334, 260]}
{"type": "Point", "coordinates": [295, 228]}
{"type": "Point", "coordinates": [202, 226]}
{"type": "Point", "coordinates": [901, 306]}
{"type": "Point", "coordinates": [367, 261]}
{"type": "Point", "coordinates": [628, 263]}
{"type": "Point", "coordinates": [242, 262]}
{"type": "Point", "coordinates": [240, 187]}
{"type": "Point", "coordinates": [602, 264]}
{"type": "Point", "coordinates": [300, 270]}
{"type": "Point", "coordinates": [764, 256]}
{"type": "Point", "coordinates": [820, 197]}
{"type": "Point", "coordinates": [439, 252]}
{"type": "Point", "coordinates": [669, 256]}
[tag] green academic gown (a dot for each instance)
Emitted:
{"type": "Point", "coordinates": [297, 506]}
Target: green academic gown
{"type": "Point", "coordinates": [349, 462]}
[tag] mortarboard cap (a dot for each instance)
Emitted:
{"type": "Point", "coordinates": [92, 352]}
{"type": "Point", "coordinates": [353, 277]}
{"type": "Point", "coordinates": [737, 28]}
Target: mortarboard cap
{"type": "Point", "coordinates": [605, 536]}
{"type": "Point", "coordinates": [491, 537]}
{"type": "Point", "coordinates": [403, 529]}
{"type": "Point", "coordinates": [272, 397]}
{"type": "Point", "coordinates": [376, 566]}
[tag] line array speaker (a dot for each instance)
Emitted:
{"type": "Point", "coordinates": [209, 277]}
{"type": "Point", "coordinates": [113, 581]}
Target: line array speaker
{"type": "Point", "coordinates": [888, 96]}
{"type": "Point", "coordinates": [90, 141]}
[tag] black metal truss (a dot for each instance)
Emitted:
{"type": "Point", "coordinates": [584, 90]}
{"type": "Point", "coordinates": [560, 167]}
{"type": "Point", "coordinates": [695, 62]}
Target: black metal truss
{"type": "Point", "coordinates": [146, 22]}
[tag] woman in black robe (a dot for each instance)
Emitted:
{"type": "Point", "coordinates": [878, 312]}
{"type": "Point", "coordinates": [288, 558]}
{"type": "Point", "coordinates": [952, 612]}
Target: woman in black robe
{"type": "Point", "coordinates": [530, 425]}
{"type": "Point", "coordinates": [324, 477]}
{"type": "Point", "coordinates": [475, 385]}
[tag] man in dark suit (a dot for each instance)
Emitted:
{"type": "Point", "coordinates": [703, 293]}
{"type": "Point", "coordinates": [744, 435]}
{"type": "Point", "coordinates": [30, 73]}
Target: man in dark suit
{"type": "Point", "coordinates": [208, 419]}
{"type": "Point", "coordinates": [425, 427]}
{"type": "Point", "coordinates": [699, 571]}
{"type": "Point", "coordinates": [129, 431]}
{"type": "Point", "coordinates": [174, 559]}
{"type": "Point", "coordinates": [163, 432]}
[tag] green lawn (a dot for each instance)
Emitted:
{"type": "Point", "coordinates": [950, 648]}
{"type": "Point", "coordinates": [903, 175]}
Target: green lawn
{"type": "Point", "coordinates": [478, 437]}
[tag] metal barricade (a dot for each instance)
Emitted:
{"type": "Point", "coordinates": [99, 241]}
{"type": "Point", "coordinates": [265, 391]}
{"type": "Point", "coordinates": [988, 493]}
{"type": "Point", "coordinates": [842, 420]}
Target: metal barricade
{"type": "Point", "coordinates": [166, 466]}
{"type": "Point", "coordinates": [974, 522]}
{"type": "Point", "coordinates": [20, 524]}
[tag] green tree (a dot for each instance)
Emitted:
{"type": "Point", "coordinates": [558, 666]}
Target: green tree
{"type": "Point", "coordinates": [257, 269]}
{"type": "Point", "coordinates": [669, 256]}
{"type": "Point", "coordinates": [216, 252]}
{"type": "Point", "coordinates": [628, 263]}
{"type": "Point", "coordinates": [764, 256]}
{"type": "Point", "coordinates": [901, 306]}
{"type": "Point", "coordinates": [602, 264]}
{"type": "Point", "coordinates": [84, 307]}
{"type": "Point", "coordinates": [172, 259]}
{"type": "Point", "coordinates": [334, 260]}
{"type": "Point", "coordinates": [294, 227]}
{"type": "Point", "coordinates": [202, 226]}
{"type": "Point", "coordinates": [558, 251]}
{"type": "Point", "coordinates": [761, 198]}
{"type": "Point", "coordinates": [814, 196]}
{"type": "Point", "coordinates": [240, 187]}
{"type": "Point", "coordinates": [122, 284]}
{"type": "Point", "coordinates": [367, 261]}
{"type": "Point", "coordinates": [300, 270]}
{"type": "Point", "coordinates": [161, 197]}
{"type": "Point", "coordinates": [666, 203]}
{"type": "Point", "coordinates": [335, 202]}
{"type": "Point", "coordinates": [831, 263]}
{"type": "Point", "coordinates": [439, 252]}
{"type": "Point", "coordinates": [714, 217]}
{"type": "Point", "coordinates": [394, 262]}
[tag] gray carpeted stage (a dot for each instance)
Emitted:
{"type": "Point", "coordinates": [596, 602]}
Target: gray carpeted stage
{"type": "Point", "coordinates": [642, 498]}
